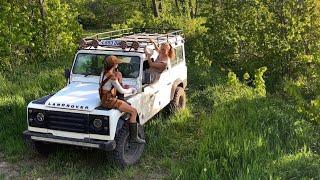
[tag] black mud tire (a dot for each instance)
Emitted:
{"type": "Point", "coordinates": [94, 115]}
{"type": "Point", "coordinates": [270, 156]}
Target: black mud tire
{"type": "Point", "coordinates": [179, 100]}
{"type": "Point", "coordinates": [125, 153]}
{"type": "Point", "coordinates": [43, 148]}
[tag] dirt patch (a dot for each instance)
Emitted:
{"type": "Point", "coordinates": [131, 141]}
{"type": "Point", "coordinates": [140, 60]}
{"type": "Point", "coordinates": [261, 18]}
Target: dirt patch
{"type": "Point", "coordinates": [7, 170]}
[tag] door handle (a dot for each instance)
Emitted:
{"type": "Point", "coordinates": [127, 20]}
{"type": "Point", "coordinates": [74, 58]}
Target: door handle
{"type": "Point", "coordinates": [152, 95]}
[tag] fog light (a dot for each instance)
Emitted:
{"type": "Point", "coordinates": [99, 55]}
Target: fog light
{"type": "Point", "coordinates": [97, 123]}
{"type": "Point", "coordinates": [40, 117]}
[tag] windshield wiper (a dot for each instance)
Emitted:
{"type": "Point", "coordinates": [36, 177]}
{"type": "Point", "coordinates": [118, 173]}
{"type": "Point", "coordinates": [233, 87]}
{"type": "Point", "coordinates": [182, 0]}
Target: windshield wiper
{"type": "Point", "coordinates": [87, 74]}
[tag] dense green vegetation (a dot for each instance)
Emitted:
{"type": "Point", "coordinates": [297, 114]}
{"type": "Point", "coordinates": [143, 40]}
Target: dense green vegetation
{"type": "Point", "coordinates": [254, 88]}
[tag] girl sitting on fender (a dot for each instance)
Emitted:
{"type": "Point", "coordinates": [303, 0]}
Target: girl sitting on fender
{"type": "Point", "coordinates": [109, 85]}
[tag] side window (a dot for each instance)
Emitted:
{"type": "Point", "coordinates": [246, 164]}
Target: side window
{"type": "Point", "coordinates": [179, 55]}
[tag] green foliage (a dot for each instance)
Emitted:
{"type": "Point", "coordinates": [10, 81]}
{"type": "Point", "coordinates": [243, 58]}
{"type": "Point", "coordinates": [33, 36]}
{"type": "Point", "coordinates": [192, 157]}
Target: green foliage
{"type": "Point", "coordinates": [280, 35]}
{"type": "Point", "coordinates": [294, 166]}
{"type": "Point", "coordinates": [232, 79]}
{"type": "Point", "coordinates": [232, 129]}
{"type": "Point", "coordinates": [17, 91]}
{"type": "Point", "coordinates": [259, 82]}
{"type": "Point", "coordinates": [243, 135]}
{"type": "Point", "coordinates": [306, 96]}
{"type": "Point", "coordinates": [88, 19]}
{"type": "Point", "coordinates": [35, 31]}
{"type": "Point", "coordinates": [101, 14]}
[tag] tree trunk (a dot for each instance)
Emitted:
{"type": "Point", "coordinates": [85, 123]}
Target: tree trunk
{"type": "Point", "coordinates": [177, 5]}
{"type": "Point", "coordinates": [155, 8]}
{"type": "Point", "coordinates": [183, 7]}
{"type": "Point", "coordinates": [191, 9]}
{"type": "Point", "coordinates": [43, 13]}
{"type": "Point", "coordinates": [144, 6]}
{"type": "Point", "coordinates": [196, 9]}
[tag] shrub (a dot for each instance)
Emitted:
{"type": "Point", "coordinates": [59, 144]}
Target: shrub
{"type": "Point", "coordinates": [280, 35]}
{"type": "Point", "coordinates": [36, 31]}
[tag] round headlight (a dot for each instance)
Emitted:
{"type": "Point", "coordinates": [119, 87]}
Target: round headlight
{"type": "Point", "coordinates": [40, 117]}
{"type": "Point", "coordinates": [97, 123]}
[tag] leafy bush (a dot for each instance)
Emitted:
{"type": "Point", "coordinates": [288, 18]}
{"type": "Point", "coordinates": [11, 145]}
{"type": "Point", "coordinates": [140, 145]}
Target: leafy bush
{"type": "Point", "coordinates": [87, 20]}
{"type": "Point", "coordinates": [280, 35]}
{"type": "Point", "coordinates": [36, 31]}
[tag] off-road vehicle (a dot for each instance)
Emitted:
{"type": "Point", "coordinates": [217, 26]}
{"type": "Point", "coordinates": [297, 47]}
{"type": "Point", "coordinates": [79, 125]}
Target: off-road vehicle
{"type": "Point", "coordinates": [74, 116]}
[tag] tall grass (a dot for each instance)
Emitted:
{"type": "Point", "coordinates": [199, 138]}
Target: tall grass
{"type": "Point", "coordinates": [246, 137]}
{"type": "Point", "coordinates": [19, 87]}
{"type": "Point", "coordinates": [228, 131]}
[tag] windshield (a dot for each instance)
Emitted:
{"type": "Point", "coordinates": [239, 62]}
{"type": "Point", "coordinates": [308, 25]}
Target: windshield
{"type": "Point", "coordinates": [92, 64]}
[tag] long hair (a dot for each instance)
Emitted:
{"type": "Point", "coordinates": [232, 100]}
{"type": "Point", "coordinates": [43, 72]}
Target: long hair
{"type": "Point", "coordinates": [172, 54]}
{"type": "Point", "coordinates": [107, 66]}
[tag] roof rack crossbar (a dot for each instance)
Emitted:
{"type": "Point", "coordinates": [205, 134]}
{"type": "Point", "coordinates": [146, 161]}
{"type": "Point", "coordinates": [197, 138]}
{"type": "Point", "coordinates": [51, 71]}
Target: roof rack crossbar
{"type": "Point", "coordinates": [140, 35]}
{"type": "Point", "coordinates": [119, 32]}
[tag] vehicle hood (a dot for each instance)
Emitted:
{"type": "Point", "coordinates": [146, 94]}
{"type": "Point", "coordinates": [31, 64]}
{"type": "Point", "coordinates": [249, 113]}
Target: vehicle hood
{"type": "Point", "coordinates": [76, 96]}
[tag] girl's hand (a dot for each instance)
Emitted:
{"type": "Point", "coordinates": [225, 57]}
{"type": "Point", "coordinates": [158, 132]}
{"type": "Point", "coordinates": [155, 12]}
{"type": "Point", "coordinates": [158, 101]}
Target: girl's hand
{"type": "Point", "coordinates": [148, 55]}
{"type": "Point", "coordinates": [151, 40]}
{"type": "Point", "coordinates": [125, 86]}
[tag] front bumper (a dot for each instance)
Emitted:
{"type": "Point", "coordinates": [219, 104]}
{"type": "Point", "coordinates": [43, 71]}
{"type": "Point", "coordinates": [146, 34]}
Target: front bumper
{"type": "Point", "coordinates": [35, 136]}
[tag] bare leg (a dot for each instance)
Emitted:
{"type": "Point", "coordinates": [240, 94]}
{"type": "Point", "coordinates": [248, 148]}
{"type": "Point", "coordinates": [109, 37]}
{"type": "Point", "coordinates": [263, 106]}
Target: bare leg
{"type": "Point", "coordinates": [125, 107]}
{"type": "Point", "coordinates": [133, 126]}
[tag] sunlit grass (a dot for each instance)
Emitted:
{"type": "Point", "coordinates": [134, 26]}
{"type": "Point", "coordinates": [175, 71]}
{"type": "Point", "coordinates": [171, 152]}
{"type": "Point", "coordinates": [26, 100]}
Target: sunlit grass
{"type": "Point", "coordinates": [226, 132]}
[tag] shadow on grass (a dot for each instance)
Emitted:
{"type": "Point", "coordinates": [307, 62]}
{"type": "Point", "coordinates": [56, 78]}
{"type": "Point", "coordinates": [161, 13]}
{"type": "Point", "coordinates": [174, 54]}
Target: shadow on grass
{"type": "Point", "coordinates": [72, 162]}
{"type": "Point", "coordinates": [302, 165]}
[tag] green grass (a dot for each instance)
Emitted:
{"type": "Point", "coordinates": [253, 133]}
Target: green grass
{"type": "Point", "coordinates": [2, 176]}
{"type": "Point", "coordinates": [24, 84]}
{"type": "Point", "coordinates": [226, 132]}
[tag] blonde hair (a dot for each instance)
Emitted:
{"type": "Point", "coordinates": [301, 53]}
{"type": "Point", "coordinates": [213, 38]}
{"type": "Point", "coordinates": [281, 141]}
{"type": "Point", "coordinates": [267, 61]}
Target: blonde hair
{"type": "Point", "coordinates": [171, 53]}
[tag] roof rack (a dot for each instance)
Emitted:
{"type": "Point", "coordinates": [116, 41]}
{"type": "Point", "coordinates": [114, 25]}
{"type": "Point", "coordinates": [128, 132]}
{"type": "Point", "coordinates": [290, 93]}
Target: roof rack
{"type": "Point", "coordinates": [110, 34]}
{"type": "Point", "coordinates": [132, 38]}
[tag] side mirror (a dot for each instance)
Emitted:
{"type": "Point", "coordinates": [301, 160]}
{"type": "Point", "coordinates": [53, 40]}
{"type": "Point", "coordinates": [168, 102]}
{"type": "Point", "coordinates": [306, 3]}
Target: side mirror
{"type": "Point", "coordinates": [67, 74]}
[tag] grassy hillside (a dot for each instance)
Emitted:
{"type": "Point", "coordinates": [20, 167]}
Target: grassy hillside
{"type": "Point", "coordinates": [228, 131]}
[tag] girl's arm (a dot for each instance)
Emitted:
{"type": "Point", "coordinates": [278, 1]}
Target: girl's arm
{"type": "Point", "coordinates": [156, 47]}
{"type": "Point", "coordinates": [119, 88]}
{"type": "Point", "coordinates": [158, 65]}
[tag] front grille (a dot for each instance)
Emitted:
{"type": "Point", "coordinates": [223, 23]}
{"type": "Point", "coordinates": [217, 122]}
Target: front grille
{"type": "Point", "coordinates": [65, 121]}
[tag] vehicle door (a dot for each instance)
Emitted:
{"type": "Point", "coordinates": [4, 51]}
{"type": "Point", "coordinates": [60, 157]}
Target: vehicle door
{"type": "Point", "coordinates": [163, 90]}
{"type": "Point", "coordinates": [156, 96]}
{"type": "Point", "coordinates": [178, 65]}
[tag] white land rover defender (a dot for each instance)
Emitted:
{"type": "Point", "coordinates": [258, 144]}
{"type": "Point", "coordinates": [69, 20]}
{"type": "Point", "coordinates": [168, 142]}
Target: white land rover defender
{"type": "Point", "coordinates": [74, 115]}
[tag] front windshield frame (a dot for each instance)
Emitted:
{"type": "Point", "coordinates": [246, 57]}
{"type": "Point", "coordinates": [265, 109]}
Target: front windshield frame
{"type": "Point", "coordinates": [120, 56]}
